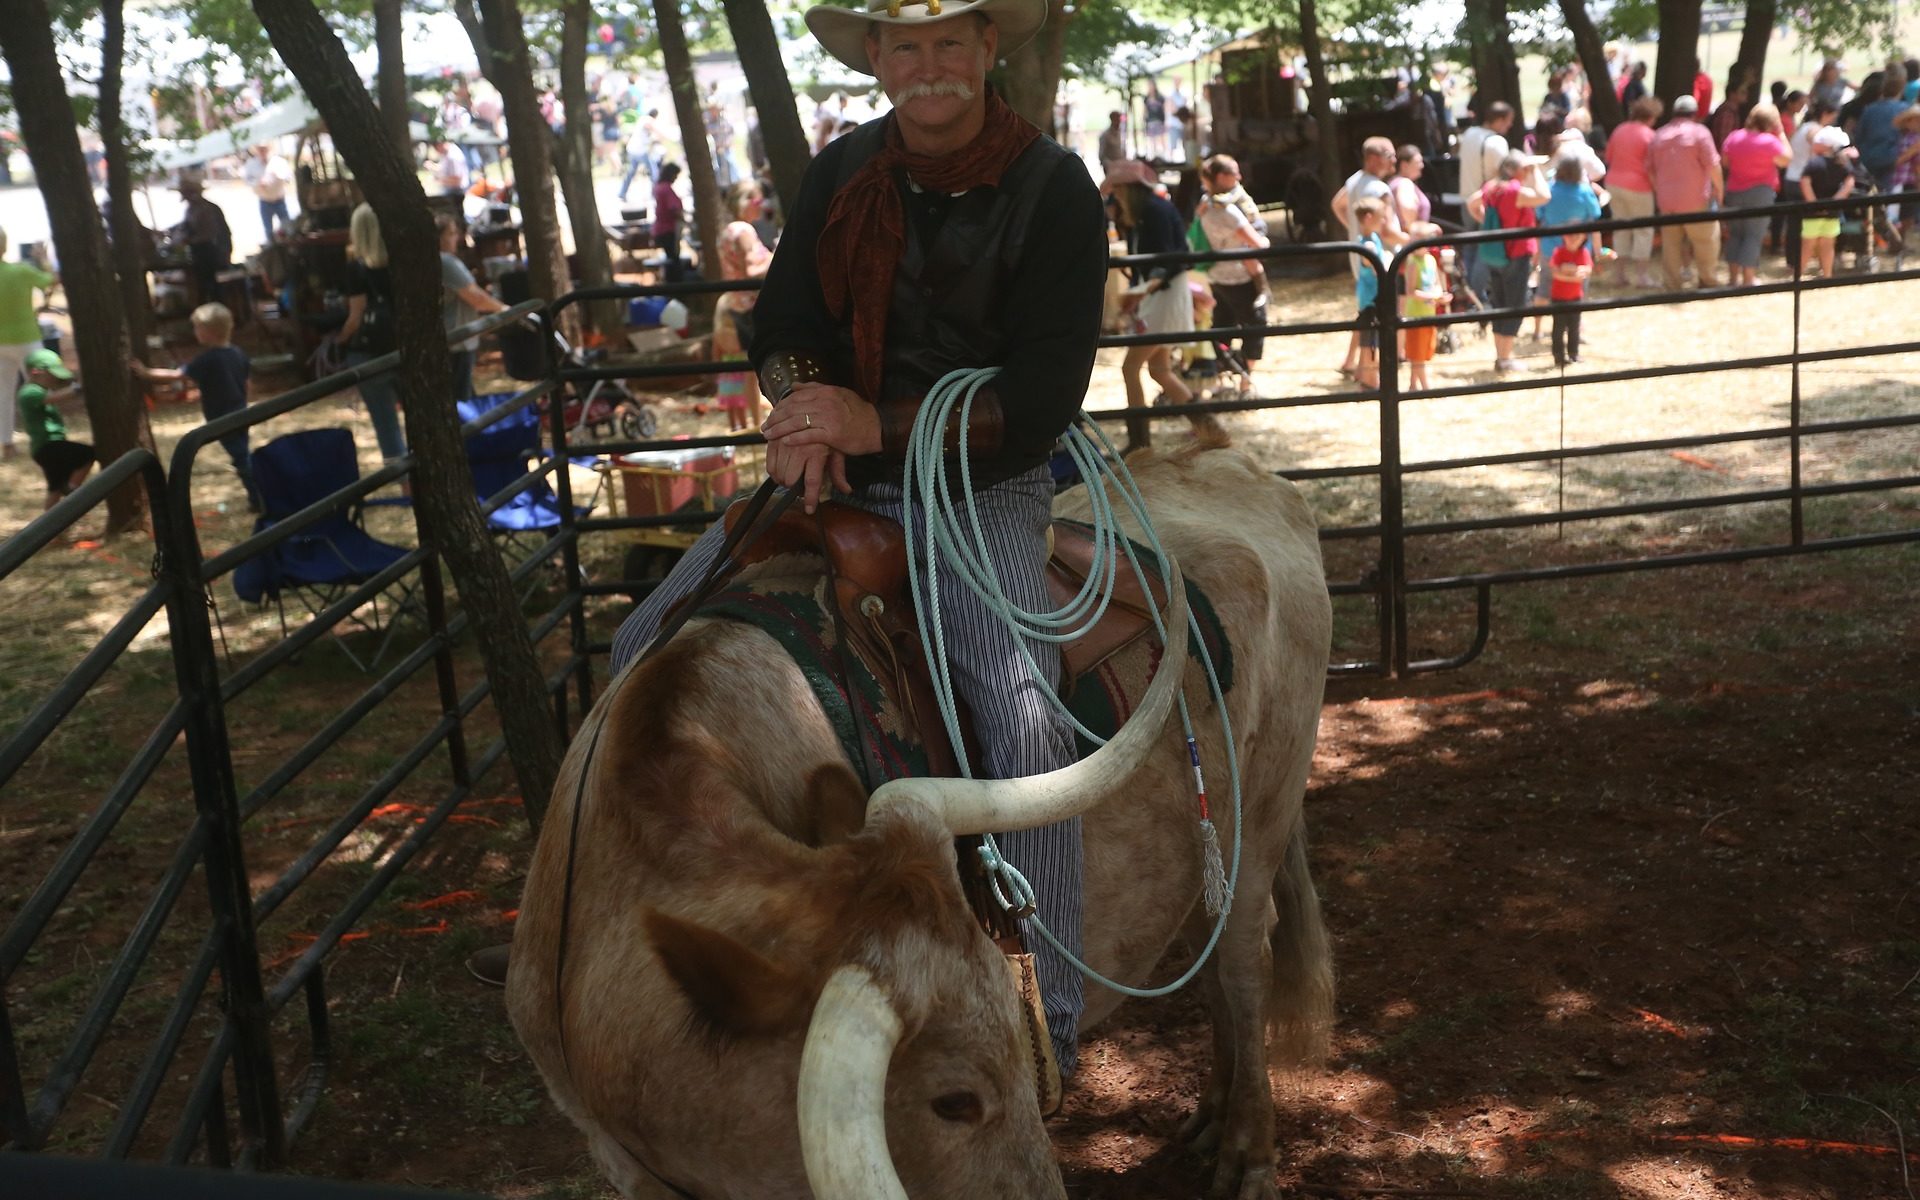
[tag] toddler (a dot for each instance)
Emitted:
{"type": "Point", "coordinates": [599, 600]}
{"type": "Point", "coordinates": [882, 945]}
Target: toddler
{"type": "Point", "coordinates": [1571, 266]}
{"type": "Point", "coordinates": [1369, 215]}
{"type": "Point", "coordinates": [221, 372]}
{"type": "Point", "coordinates": [1427, 295]}
{"type": "Point", "coordinates": [63, 461]}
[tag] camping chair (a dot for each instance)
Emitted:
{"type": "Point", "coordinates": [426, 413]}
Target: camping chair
{"type": "Point", "coordinates": [499, 456]}
{"type": "Point", "coordinates": [330, 557]}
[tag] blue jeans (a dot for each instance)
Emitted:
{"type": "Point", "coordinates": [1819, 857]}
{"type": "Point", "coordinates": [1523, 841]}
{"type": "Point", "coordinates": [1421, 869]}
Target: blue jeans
{"type": "Point", "coordinates": [270, 210]}
{"type": "Point", "coordinates": [636, 164]}
{"type": "Point", "coordinates": [381, 394]}
{"type": "Point", "coordinates": [235, 444]}
{"type": "Point", "coordinates": [1478, 273]}
{"type": "Point", "coordinates": [461, 362]}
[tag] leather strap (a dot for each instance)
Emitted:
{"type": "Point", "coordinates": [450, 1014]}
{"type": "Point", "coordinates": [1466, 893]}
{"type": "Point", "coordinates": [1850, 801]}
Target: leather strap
{"type": "Point", "coordinates": [784, 370]}
{"type": "Point", "coordinates": [986, 428]}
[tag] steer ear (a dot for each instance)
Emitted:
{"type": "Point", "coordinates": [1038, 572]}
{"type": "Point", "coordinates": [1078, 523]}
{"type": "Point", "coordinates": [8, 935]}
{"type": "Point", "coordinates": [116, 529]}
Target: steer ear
{"type": "Point", "coordinates": [734, 990]}
{"type": "Point", "coordinates": [835, 805]}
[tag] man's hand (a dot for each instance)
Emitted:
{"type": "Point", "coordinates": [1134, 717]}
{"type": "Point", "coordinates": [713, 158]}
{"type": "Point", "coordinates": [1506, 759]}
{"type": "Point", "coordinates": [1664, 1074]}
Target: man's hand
{"type": "Point", "coordinates": [809, 468]}
{"type": "Point", "coordinates": [816, 414]}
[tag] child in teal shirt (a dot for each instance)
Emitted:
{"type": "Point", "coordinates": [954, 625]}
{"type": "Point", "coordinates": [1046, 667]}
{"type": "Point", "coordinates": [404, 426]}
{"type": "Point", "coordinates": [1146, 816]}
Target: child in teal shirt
{"type": "Point", "coordinates": [1369, 215]}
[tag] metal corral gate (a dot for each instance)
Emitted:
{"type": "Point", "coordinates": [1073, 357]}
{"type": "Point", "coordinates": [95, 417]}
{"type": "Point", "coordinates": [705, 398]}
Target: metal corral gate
{"type": "Point", "coordinates": [237, 1108]}
{"type": "Point", "coordinates": [1387, 584]}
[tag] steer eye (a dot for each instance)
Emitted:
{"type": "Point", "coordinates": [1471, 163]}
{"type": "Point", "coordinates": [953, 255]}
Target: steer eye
{"type": "Point", "coordinates": [959, 1106]}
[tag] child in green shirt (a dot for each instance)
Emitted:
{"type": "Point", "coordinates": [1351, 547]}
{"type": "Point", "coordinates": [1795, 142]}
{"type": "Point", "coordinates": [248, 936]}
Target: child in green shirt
{"type": "Point", "coordinates": [65, 462]}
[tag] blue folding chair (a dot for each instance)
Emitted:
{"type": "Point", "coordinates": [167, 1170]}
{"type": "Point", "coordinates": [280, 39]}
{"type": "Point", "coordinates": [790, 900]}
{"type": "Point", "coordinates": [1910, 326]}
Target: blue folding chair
{"type": "Point", "coordinates": [500, 455]}
{"type": "Point", "coordinates": [330, 557]}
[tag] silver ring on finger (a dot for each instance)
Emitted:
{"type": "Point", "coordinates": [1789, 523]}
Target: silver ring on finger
{"type": "Point", "coordinates": [809, 417]}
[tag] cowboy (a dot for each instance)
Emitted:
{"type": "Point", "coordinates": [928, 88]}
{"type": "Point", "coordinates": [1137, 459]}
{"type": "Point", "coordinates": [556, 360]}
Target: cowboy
{"type": "Point", "coordinates": [948, 234]}
{"type": "Point", "coordinates": [208, 240]}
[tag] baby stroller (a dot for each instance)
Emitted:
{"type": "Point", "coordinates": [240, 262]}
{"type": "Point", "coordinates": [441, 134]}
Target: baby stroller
{"type": "Point", "coordinates": [604, 408]}
{"type": "Point", "coordinates": [1865, 232]}
{"type": "Point", "coordinates": [1454, 337]}
{"type": "Point", "coordinates": [1213, 368]}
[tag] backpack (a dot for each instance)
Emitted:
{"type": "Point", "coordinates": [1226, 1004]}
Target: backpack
{"type": "Point", "coordinates": [1494, 254]}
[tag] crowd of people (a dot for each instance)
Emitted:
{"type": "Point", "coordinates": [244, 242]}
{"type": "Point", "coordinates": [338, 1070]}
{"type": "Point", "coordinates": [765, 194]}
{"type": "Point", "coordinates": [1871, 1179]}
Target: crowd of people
{"type": "Point", "coordinates": [1716, 161]}
{"type": "Point", "coordinates": [1836, 139]}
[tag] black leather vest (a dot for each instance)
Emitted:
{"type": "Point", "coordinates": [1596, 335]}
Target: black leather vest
{"type": "Point", "coordinates": [949, 297]}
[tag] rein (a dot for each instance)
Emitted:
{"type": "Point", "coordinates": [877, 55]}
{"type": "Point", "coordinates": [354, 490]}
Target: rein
{"type": "Point", "coordinates": [744, 533]}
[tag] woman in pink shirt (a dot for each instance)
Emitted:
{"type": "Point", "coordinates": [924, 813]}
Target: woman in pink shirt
{"type": "Point", "coordinates": [1631, 190]}
{"type": "Point", "coordinates": [1753, 157]}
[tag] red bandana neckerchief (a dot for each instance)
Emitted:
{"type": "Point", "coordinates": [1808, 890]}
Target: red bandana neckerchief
{"type": "Point", "coordinates": [866, 229]}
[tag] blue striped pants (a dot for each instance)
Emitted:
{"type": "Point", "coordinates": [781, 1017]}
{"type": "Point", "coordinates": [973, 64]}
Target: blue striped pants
{"type": "Point", "coordinates": [1018, 730]}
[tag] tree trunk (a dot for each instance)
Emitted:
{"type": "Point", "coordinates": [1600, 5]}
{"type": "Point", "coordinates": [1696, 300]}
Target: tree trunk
{"type": "Point", "coordinates": [450, 521]}
{"type": "Point", "coordinates": [573, 152]}
{"type": "Point", "coordinates": [707, 205]}
{"type": "Point", "coordinates": [1320, 106]}
{"type": "Point", "coordinates": [129, 239]}
{"type": "Point", "coordinates": [1751, 63]}
{"type": "Point", "coordinates": [1605, 103]}
{"type": "Point", "coordinates": [531, 144]}
{"type": "Point", "coordinates": [1032, 77]}
{"type": "Point", "coordinates": [391, 75]}
{"type": "Point", "coordinates": [1679, 57]}
{"type": "Point", "coordinates": [1496, 71]}
{"type": "Point", "coordinates": [781, 133]}
{"type": "Point", "coordinates": [47, 126]}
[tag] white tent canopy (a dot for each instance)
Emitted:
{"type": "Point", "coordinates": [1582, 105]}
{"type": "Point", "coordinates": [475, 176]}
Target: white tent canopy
{"type": "Point", "coordinates": [271, 123]}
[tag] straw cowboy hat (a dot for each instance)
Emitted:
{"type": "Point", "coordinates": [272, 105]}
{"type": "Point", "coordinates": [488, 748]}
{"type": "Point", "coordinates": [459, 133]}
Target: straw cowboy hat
{"type": "Point", "coordinates": [843, 31]}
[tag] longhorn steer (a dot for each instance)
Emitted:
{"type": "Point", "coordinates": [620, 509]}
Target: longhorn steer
{"type": "Point", "coordinates": [737, 901]}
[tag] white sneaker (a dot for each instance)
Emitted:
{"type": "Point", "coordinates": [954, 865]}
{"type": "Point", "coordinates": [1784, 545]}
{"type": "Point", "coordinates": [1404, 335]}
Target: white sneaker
{"type": "Point", "coordinates": [1503, 365]}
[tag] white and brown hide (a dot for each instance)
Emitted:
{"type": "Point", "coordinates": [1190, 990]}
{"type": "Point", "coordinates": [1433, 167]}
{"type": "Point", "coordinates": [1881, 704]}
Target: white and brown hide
{"type": "Point", "coordinates": [722, 868]}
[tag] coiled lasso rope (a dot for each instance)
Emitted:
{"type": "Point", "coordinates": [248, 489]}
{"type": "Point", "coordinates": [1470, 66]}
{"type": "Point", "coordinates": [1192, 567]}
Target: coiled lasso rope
{"type": "Point", "coordinates": [953, 539]}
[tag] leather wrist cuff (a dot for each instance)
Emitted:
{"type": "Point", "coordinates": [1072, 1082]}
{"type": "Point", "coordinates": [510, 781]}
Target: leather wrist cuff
{"type": "Point", "coordinates": [985, 432]}
{"type": "Point", "coordinates": [784, 370]}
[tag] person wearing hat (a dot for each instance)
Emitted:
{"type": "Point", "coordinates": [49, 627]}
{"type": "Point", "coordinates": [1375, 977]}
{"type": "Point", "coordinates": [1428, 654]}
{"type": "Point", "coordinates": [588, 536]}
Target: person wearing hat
{"type": "Point", "coordinates": [1685, 170]}
{"type": "Point", "coordinates": [209, 240]}
{"type": "Point", "coordinates": [948, 234]}
{"type": "Point", "coordinates": [63, 461]}
{"type": "Point", "coordinates": [1827, 176]}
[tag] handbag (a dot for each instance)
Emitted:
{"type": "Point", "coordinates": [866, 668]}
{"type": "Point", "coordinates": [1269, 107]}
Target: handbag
{"type": "Point", "coordinates": [1494, 254]}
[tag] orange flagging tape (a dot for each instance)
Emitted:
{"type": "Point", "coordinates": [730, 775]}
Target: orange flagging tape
{"type": "Point", "coordinates": [1781, 1143]}
{"type": "Point", "coordinates": [1694, 460]}
{"type": "Point", "coordinates": [358, 935]}
{"type": "Point", "coordinates": [1732, 1141]}
{"type": "Point", "coordinates": [443, 901]}
{"type": "Point", "coordinates": [1661, 1023]}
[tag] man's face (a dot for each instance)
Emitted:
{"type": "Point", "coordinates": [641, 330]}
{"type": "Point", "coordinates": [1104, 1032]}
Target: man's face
{"type": "Point", "coordinates": [1379, 164]}
{"type": "Point", "coordinates": [935, 73]}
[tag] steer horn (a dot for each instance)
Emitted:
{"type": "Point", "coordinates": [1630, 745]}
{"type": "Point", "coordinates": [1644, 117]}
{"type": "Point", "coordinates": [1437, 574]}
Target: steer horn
{"type": "Point", "coordinates": [971, 806]}
{"type": "Point", "coordinates": [843, 1090]}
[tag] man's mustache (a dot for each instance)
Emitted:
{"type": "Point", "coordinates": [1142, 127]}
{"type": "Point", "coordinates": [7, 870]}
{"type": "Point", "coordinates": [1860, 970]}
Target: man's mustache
{"type": "Point", "coordinates": [946, 87]}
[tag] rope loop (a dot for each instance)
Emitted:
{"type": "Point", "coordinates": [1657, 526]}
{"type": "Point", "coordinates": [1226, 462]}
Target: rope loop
{"type": "Point", "coordinates": [950, 537]}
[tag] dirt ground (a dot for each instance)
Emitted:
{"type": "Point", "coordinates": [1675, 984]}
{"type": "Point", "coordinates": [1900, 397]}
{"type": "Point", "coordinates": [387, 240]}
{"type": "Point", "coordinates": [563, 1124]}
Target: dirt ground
{"type": "Point", "coordinates": [1624, 909]}
{"type": "Point", "coordinates": [1614, 918]}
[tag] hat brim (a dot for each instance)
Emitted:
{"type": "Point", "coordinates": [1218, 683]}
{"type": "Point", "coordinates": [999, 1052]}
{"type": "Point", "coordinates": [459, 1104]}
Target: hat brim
{"type": "Point", "coordinates": [842, 32]}
{"type": "Point", "coordinates": [60, 372]}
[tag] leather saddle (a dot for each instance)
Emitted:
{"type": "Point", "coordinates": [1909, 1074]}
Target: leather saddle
{"type": "Point", "coordinates": [866, 556]}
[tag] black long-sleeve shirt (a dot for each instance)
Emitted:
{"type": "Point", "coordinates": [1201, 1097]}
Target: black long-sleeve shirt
{"type": "Point", "coordinates": [1050, 322]}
